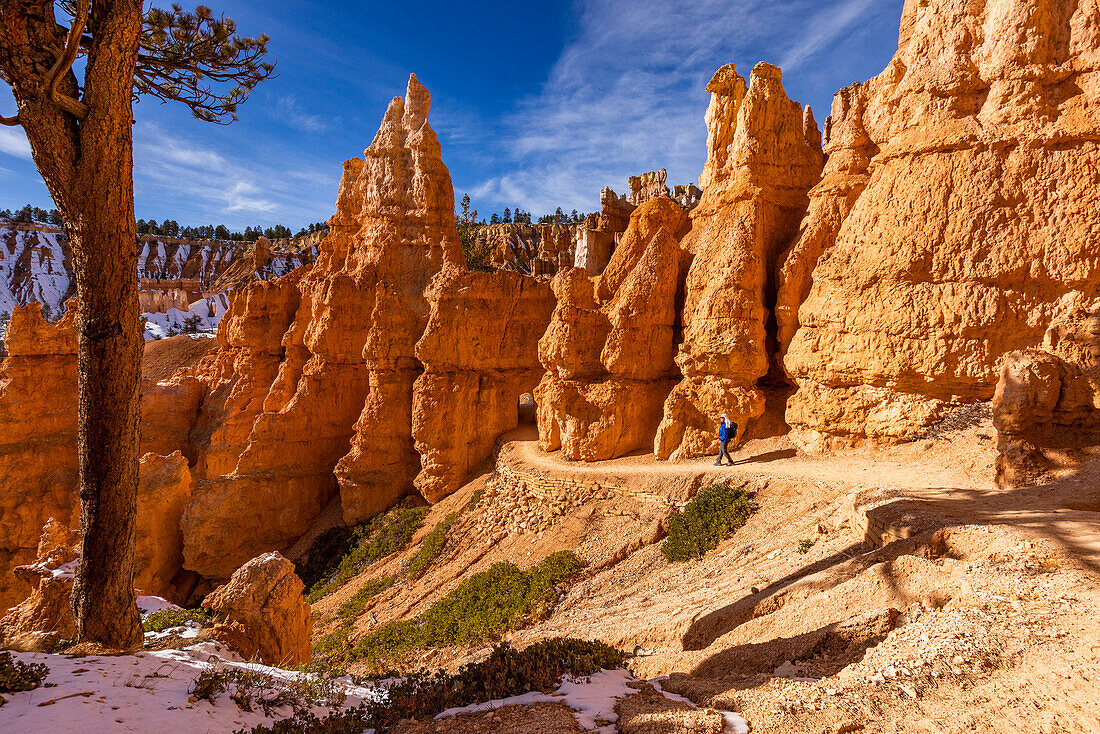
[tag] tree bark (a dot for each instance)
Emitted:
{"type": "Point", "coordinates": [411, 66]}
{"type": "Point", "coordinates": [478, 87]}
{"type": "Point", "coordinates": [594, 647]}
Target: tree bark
{"type": "Point", "coordinates": [88, 167]}
{"type": "Point", "coordinates": [104, 247]}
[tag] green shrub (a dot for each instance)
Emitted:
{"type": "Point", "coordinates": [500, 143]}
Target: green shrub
{"type": "Point", "coordinates": [254, 688]}
{"type": "Point", "coordinates": [506, 672]}
{"type": "Point", "coordinates": [169, 618]}
{"type": "Point", "coordinates": [355, 605]}
{"type": "Point", "coordinates": [712, 515]}
{"type": "Point", "coordinates": [431, 547]}
{"type": "Point", "coordinates": [481, 608]}
{"type": "Point", "coordinates": [804, 545]}
{"type": "Point", "coordinates": [369, 543]}
{"type": "Point", "coordinates": [17, 676]}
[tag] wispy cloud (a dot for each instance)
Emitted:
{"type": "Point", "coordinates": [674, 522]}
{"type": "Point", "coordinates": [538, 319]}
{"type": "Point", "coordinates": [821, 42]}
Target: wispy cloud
{"type": "Point", "coordinates": [216, 184]}
{"type": "Point", "coordinates": [825, 27]}
{"type": "Point", "coordinates": [290, 111]}
{"type": "Point", "coordinates": [627, 94]}
{"type": "Point", "coordinates": [14, 142]}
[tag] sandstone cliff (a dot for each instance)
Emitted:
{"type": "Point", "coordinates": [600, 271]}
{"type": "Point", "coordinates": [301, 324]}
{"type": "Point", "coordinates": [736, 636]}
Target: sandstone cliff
{"type": "Point", "coordinates": [480, 354]}
{"type": "Point", "coordinates": [608, 351]}
{"type": "Point", "coordinates": [763, 156]}
{"type": "Point", "coordinates": [38, 469]}
{"type": "Point", "coordinates": [957, 211]}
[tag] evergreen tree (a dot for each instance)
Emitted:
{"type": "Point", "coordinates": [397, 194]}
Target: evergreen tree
{"type": "Point", "coordinates": [78, 119]}
{"type": "Point", "coordinates": [507, 218]}
{"type": "Point", "coordinates": [495, 219]}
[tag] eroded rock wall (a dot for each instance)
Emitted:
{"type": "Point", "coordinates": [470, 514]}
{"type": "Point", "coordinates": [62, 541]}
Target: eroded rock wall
{"type": "Point", "coordinates": [38, 467]}
{"type": "Point", "coordinates": [480, 355]}
{"type": "Point", "coordinates": [958, 210]}
{"type": "Point", "coordinates": [608, 351]}
{"type": "Point", "coordinates": [763, 157]}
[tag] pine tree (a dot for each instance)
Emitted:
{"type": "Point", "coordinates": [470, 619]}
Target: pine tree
{"type": "Point", "coordinates": [80, 130]}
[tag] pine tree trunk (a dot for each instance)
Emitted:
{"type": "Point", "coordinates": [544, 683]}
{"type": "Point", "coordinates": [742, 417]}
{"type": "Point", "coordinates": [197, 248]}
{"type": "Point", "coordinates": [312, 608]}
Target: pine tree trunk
{"type": "Point", "coordinates": [110, 346]}
{"type": "Point", "coordinates": [86, 162]}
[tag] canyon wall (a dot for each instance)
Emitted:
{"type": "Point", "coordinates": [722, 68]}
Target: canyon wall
{"type": "Point", "coordinates": [763, 156]}
{"type": "Point", "coordinates": [956, 216]}
{"type": "Point", "coordinates": [608, 351]}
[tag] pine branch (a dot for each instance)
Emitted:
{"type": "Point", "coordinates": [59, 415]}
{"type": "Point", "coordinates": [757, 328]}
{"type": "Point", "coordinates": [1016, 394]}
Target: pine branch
{"type": "Point", "coordinates": [65, 62]}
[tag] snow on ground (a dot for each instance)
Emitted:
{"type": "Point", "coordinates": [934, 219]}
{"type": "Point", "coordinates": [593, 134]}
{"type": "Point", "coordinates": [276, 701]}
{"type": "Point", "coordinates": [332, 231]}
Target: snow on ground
{"type": "Point", "coordinates": [593, 699]}
{"type": "Point", "coordinates": [734, 723]}
{"type": "Point", "coordinates": [208, 310]}
{"type": "Point", "coordinates": [144, 692]}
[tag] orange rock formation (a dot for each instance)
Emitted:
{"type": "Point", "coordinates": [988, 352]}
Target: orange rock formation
{"type": "Point", "coordinates": [609, 349]}
{"type": "Point", "coordinates": [957, 211]}
{"type": "Point", "coordinates": [262, 613]}
{"type": "Point", "coordinates": [763, 156]}
{"type": "Point", "coordinates": [1047, 403]}
{"type": "Point", "coordinates": [38, 469]}
{"type": "Point", "coordinates": [45, 616]}
{"type": "Point", "coordinates": [480, 354]}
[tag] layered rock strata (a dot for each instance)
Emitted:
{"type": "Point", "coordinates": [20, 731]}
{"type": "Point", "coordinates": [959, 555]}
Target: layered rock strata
{"type": "Point", "coordinates": [958, 209]}
{"type": "Point", "coordinates": [480, 355]}
{"type": "Point", "coordinates": [608, 351]}
{"type": "Point", "coordinates": [763, 156]}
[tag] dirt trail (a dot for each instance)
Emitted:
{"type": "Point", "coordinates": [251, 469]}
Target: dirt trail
{"type": "Point", "coordinates": [927, 464]}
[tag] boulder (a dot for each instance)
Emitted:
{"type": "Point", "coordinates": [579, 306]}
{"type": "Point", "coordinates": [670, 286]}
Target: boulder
{"type": "Point", "coordinates": [45, 617]}
{"type": "Point", "coordinates": [763, 156]}
{"type": "Point", "coordinates": [957, 210]}
{"type": "Point", "coordinates": [262, 614]}
{"type": "Point", "coordinates": [1047, 403]}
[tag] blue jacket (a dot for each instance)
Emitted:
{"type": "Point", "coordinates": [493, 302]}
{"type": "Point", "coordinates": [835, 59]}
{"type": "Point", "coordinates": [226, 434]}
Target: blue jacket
{"type": "Point", "coordinates": [726, 432]}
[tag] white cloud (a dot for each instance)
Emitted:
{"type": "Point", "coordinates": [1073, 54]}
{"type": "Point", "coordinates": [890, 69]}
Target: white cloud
{"type": "Point", "coordinates": [14, 142]}
{"type": "Point", "coordinates": [825, 27]}
{"type": "Point", "coordinates": [216, 186]}
{"type": "Point", "coordinates": [289, 111]}
{"type": "Point", "coordinates": [627, 94]}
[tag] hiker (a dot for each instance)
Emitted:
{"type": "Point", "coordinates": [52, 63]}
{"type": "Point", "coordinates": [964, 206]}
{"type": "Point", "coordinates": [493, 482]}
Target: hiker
{"type": "Point", "coordinates": [727, 431]}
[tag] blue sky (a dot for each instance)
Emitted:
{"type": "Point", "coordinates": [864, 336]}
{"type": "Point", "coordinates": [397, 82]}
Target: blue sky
{"type": "Point", "coordinates": [537, 104]}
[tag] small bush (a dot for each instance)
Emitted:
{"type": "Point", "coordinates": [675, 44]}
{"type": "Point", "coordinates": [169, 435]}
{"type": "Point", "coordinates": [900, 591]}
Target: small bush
{"type": "Point", "coordinates": [17, 676]}
{"type": "Point", "coordinates": [506, 672]}
{"type": "Point", "coordinates": [431, 547]}
{"type": "Point", "coordinates": [481, 608]}
{"type": "Point", "coordinates": [354, 606]}
{"type": "Point", "coordinates": [369, 543]}
{"type": "Point", "coordinates": [713, 514]}
{"type": "Point", "coordinates": [169, 618]}
{"type": "Point", "coordinates": [254, 688]}
{"type": "Point", "coordinates": [804, 545]}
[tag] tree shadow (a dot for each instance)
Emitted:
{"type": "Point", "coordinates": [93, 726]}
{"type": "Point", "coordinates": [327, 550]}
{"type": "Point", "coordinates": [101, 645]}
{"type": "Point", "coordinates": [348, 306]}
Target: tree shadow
{"type": "Point", "coordinates": [1065, 512]}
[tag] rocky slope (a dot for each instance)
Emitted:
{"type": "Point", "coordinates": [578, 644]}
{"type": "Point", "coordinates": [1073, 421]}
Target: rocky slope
{"type": "Point", "coordinates": [955, 221]}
